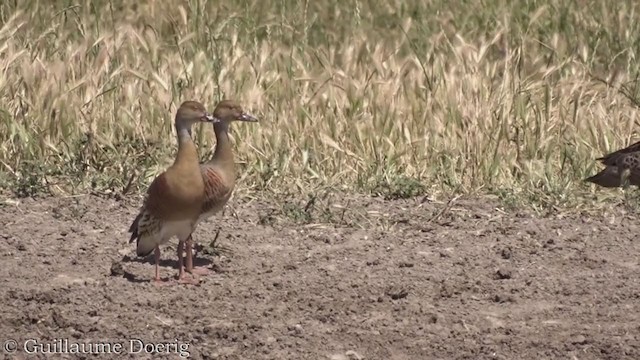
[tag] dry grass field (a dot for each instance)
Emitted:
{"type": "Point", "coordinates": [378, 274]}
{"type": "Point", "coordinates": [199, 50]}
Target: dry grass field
{"type": "Point", "coordinates": [413, 189]}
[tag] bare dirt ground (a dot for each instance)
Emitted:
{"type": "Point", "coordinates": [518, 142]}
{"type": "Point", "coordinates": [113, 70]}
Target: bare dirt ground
{"type": "Point", "coordinates": [375, 279]}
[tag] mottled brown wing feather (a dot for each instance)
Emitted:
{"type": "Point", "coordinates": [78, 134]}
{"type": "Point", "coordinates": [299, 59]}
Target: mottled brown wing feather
{"type": "Point", "coordinates": [612, 175]}
{"type": "Point", "coordinates": [631, 161]}
{"type": "Point", "coordinates": [216, 191]}
{"type": "Point", "coordinates": [133, 229]}
{"type": "Point", "coordinates": [146, 225]}
{"type": "Point", "coordinates": [148, 232]}
{"type": "Point", "coordinates": [613, 158]}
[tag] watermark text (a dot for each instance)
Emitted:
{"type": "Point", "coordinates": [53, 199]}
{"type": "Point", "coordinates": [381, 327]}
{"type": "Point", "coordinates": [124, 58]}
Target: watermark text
{"type": "Point", "coordinates": [67, 346]}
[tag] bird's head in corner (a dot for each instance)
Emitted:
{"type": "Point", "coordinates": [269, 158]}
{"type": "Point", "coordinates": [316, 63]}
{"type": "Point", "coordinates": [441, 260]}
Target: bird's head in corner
{"type": "Point", "coordinates": [191, 112]}
{"type": "Point", "coordinates": [228, 111]}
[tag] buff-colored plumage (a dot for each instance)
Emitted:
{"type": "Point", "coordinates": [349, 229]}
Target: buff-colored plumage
{"type": "Point", "coordinates": [219, 173]}
{"type": "Point", "coordinates": [622, 168]}
{"type": "Point", "coordinates": [175, 198]}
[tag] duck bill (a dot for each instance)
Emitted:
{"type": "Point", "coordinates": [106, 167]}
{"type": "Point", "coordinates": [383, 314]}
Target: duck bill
{"type": "Point", "coordinates": [247, 117]}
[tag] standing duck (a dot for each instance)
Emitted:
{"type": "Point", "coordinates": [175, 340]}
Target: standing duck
{"type": "Point", "coordinates": [219, 173]}
{"type": "Point", "coordinates": [175, 198]}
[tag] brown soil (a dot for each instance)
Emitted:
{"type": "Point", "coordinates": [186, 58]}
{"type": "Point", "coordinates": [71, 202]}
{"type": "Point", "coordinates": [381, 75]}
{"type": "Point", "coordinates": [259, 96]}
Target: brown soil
{"type": "Point", "coordinates": [372, 279]}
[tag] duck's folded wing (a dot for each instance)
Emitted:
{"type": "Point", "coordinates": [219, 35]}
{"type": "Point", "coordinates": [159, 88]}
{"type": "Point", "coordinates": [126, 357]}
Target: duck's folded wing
{"type": "Point", "coordinates": [217, 192]}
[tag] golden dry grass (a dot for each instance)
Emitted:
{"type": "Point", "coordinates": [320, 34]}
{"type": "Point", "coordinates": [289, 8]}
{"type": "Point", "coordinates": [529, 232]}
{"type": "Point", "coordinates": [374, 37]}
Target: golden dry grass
{"type": "Point", "coordinates": [396, 97]}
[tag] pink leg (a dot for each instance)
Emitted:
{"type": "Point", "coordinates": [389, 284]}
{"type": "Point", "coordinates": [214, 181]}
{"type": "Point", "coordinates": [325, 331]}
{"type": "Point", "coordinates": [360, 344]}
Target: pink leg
{"type": "Point", "coordinates": [182, 278]}
{"type": "Point", "coordinates": [200, 270]}
{"type": "Point", "coordinates": [157, 280]}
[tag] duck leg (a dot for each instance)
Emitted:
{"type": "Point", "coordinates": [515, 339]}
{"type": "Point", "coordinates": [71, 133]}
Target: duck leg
{"type": "Point", "coordinates": [200, 270]}
{"type": "Point", "coordinates": [157, 280]}
{"type": "Point", "coordinates": [182, 277]}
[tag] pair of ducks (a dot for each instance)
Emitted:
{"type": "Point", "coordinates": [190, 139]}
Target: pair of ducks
{"type": "Point", "coordinates": [188, 192]}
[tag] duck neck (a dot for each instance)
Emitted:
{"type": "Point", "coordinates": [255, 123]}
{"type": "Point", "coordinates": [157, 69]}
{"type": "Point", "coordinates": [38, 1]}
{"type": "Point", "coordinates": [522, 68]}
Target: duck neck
{"type": "Point", "coordinates": [223, 153]}
{"type": "Point", "coordinates": [187, 152]}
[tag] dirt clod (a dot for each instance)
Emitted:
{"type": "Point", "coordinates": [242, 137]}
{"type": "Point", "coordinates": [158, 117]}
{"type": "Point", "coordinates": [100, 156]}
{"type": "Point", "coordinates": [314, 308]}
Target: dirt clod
{"type": "Point", "coordinates": [117, 269]}
{"type": "Point", "coordinates": [503, 274]}
{"type": "Point", "coordinates": [396, 292]}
